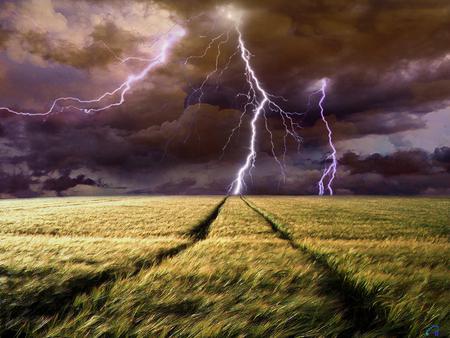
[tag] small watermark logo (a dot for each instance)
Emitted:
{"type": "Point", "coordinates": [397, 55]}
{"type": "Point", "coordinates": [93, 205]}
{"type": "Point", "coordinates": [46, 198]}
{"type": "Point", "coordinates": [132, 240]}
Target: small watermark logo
{"type": "Point", "coordinates": [432, 331]}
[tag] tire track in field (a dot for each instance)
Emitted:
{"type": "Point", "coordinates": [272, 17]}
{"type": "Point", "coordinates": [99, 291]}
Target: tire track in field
{"type": "Point", "coordinates": [364, 310]}
{"type": "Point", "coordinates": [61, 301]}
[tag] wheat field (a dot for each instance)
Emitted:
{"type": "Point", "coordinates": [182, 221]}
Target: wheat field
{"type": "Point", "coordinates": [211, 266]}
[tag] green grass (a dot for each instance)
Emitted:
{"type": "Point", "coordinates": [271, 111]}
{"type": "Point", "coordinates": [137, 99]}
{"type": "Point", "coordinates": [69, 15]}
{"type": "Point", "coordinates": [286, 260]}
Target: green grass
{"type": "Point", "coordinates": [53, 249]}
{"type": "Point", "coordinates": [241, 279]}
{"type": "Point", "coordinates": [194, 267]}
{"type": "Point", "coordinates": [392, 251]}
{"type": "Point", "coordinates": [362, 217]}
{"type": "Point", "coordinates": [118, 217]}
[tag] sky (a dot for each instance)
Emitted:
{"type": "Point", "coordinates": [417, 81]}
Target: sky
{"type": "Point", "coordinates": [386, 63]}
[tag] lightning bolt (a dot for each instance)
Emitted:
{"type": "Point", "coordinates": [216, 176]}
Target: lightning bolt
{"type": "Point", "coordinates": [257, 100]}
{"type": "Point", "coordinates": [89, 106]}
{"type": "Point", "coordinates": [200, 89]}
{"type": "Point", "coordinates": [221, 40]}
{"type": "Point", "coordinates": [261, 101]}
{"type": "Point", "coordinates": [130, 58]}
{"type": "Point", "coordinates": [330, 170]}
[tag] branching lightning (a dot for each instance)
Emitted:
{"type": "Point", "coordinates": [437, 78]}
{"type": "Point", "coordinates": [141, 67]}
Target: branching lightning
{"type": "Point", "coordinates": [221, 40]}
{"type": "Point", "coordinates": [260, 101]}
{"type": "Point", "coordinates": [257, 100]}
{"type": "Point", "coordinates": [90, 106]}
{"type": "Point", "coordinates": [200, 89]}
{"type": "Point", "coordinates": [330, 170]}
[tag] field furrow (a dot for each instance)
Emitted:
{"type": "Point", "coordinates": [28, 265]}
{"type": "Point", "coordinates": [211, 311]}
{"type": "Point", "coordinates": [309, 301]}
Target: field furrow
{"type": "Point", "coordinates": [215, 267]}
{"type": "Point", "coordinates": [240, 281]}
{"type": "Point", "coordinates": [42, 274]}
{"type": "Point", "coordinates": [396, 280]}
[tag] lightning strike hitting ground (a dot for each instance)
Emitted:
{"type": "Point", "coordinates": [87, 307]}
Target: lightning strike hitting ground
{"type": "Point", "coordinates": [256, 99]}
{"type": "Point", "coordinates": [261, 101]}
{"type": "Point", "coordinates": [86, 106]}
{"type": "Point", "coordinates": [330, 170]}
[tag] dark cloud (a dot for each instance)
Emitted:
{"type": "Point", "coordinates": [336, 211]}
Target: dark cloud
{"type": "Point", "coordinates": [375, 184]}
{"type": "Point", "coordinates": [442, 157]}
{"type": "Point", "coordinates": [16, 184]}
{"type": "Point", "coordinates": [108, 43]}
{"type": "Point", "coordinates": [442, 154]}
{"type": "Point", "coordinates": [374, 53]}
{"type": "Point", "coordinates": [176, 187]}
{"type": "Point", "coordinates": [399, 163]}
{"type": "Point", "coordinates": [4, 35]}
{"type": "Point", "coordinates": [65, 182]}
{"type": "Point", "coordinates": [413, 172]}
{"type": "Point", "coordinates": [402, 172]}
{"type": "Point", "coordinates": [387, 62]}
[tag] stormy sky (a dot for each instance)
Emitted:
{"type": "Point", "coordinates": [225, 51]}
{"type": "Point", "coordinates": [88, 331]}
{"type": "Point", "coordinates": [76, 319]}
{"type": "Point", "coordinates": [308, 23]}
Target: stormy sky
{"type": "Point", "coordinates": [387, 64]}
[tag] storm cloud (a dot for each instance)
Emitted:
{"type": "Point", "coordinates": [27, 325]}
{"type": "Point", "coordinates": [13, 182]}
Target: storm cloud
{"type": "Point", "coordinates": [387, 64]}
